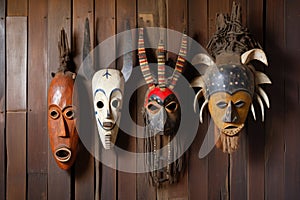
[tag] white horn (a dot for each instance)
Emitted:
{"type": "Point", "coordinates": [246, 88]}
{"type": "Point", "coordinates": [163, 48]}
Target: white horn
{"type": "Point", "coordinates": [263, 94]}
{"type": "Point", "coordinates": [197, 97]}
{"type": "Point", "coordinates": [253, 112]}
{"type": "Point", "coordinates": [252, 54]}
{"type": "Point", "coordinates": [261, 107]}
{"type": "Point", "coordinates": [201, 110]}
{"type": "Point", "coordinates": [198, 82]}
{"type": "Point", "coordinates": [261, 78]}
{"type": "Point", "coordinates": [202, 58]}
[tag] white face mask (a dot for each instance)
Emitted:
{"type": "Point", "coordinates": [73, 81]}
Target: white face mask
{"type": "Point", "coordinates": [108, 87]}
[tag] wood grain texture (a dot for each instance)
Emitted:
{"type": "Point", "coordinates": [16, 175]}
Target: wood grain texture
{"type": "Point", "coordinates": [2, 101]}
{"type": "Point", "coordinates": [177, 19]}
{"type": "Point", "coordinates": [144, 188]}
{"type": "Point", "coordinates": [37, 160]}
{"type": "Point", "coordinates": [255, 19]}
{"type": "Point", "coordinates": [16, 63]}
{"type": "Point", "coordinates": [59, 16]}
{"type": "Point", "coordinates": [38, 188]}
{"type": "Point", "coordinates": [198, 11]}
{"type": "Point", "coordinates": [275, 125]}
{"type": "Point", "coordinates": [238, 169]}
{"type": "Point", "coordinates": [17, 8]}
{"type": "Point", "coordinates": [256, 130]}
{"type": "Point", "coordinates": [84, 165]}
{"type": "Point", "coordinates": [16, 155]}
{"type": "Point", "coordinates": [292, 72]}
{"type": "Point", "coordinates": [214, 7]}
{"type": "Point", "coordinates": [198, 168]}
{"type": "Point", "coordinates": [126, 13]}
{"type": "Point", "coordinates": [105, 19]}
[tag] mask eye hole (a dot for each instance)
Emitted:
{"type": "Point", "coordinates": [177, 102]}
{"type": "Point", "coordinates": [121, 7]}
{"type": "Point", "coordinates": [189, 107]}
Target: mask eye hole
{"type": "Point", "coordinates": [69, 114]}
{"type": "Point", "coordinates": [115, 103]}
{"type": "Point", "coordinates": [222, 104]}
{"type": "Point", "coordinates": [54, 114]}
{"type": "Point", "coordinates": [172, 106]}
{"type": "Point", "coordinates": [239, 104]}
{"type": "Point", "coordinates": [100, 104]}
{"type": "Point", "coordinates": [153, 108]}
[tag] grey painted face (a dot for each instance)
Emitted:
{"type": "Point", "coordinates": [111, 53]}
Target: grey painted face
{"type": "Point", "coordinates": [108, 87]}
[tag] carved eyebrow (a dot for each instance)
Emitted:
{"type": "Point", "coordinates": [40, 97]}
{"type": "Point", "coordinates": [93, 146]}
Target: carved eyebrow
{"type": "Point", "coordinates": [69, 106]}
{"type": "Point", "coordinates": [99, 90]}
{"type": "Point", "coordinates": [114, 90]}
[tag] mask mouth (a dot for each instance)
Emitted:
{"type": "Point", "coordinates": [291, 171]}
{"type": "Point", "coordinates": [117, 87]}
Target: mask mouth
{"type": "Point", "coordinates": [63, 154]}
{"type": "Point", "coordinates": [108, 125]}
{"type": "Point", "coordinates": [232, 130]}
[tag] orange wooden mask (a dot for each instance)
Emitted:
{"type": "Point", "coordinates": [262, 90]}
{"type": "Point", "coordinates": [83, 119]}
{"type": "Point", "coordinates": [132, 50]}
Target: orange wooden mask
{"type": "Point", "coordinates": [61, 120]}
{"type": "Point", "coordinates": [62, 116]}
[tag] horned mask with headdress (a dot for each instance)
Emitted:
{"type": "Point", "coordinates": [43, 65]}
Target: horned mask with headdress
{"type": "Point", "coordinates": [162, 113]}
{"type": "Point", "coordinates": [230, 82]}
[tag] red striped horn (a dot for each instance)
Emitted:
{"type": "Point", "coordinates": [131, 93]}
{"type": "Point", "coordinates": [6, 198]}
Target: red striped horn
{"type": "Point", "coordinates": [180, 62]}
{"type": "Point", "coordinates": [143, 60]}
{"type": "Point", "coordinates": [161, 65]}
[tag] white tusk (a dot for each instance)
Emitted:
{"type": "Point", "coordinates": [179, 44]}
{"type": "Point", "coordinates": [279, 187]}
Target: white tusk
{"type": "Point", "coordinates": [198, 82]}
{"type": "Point", "coordinates": [197, 97]}
{"type": "Point", "coordinates": [261, 107]}
{"type": "Point", "coordinates": [257, 54]}
{"type": "Point", "coordinates": [263, 94]}
{"type": "Point", "coordinates": [202, 58]}
{"type": "Point", "coordinates": [261, 78]}
{"type": "Point", "coordinates": [253, 111]}
{"type": "Point", "coordinates": [201, 110]}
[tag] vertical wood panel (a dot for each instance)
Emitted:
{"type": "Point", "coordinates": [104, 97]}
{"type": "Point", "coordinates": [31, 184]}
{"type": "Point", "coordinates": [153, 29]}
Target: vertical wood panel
{"type": "Point", "coordinates": [37, 163]}
{"type": "Point", "coordinates": [59, 16]}
{"type": "Point", "coordinates": [275, 123]}
{"type": "Point", "coordinates": [292, 72]}
{"type": "Point", "coordinates": [255, 129]}
{"type": "Point", "coordinates": [16, 56]}
{"type": "Point", "coordinates": [197, 21]}
{"type": "Point", "coordinates": [126, 13]}
{"type": "Point", "coordinates": [16, 155]}
{"type": "Point", "coordinates": [216, 6]}
{"type": "Point", "coordinates": [144, 188]}
{"type": "Point", "coordinates": [2, 101]}
{"type": "Point", "coordinates": [17, 7]}
{"type": "Point", "coordinates": [105, 19]}
{"type": "Point", "coordinates": [238, 169]}
{"type": "Point", "coordinates": [177, 19]}
{"type": "Point", "coordinates": [198, 168]}
{"type": "Point", "coordinates": [255, 19]}
{"type": "Point", "coordinates": [84, 166]}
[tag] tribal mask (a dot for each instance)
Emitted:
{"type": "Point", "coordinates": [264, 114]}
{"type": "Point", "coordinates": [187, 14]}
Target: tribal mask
{"type": "Point", "coordinates": [162, 115]}
{"type": "Point", "coordinates": [230, 83]}
{"type": "Point", "coordinates": [108, 89]}
{"type": "Point", "coordinates": [61, 111]}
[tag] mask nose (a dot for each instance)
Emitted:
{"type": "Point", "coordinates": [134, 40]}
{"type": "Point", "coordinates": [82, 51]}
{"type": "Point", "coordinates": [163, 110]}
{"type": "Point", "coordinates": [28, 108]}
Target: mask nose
{"type": "Point", "coordinates": [108, 114]}
{"type": "Point", "coordinates": [62, 128]}
{"type": "Point", "coordinates": [158, 120]}
{"type": "Point", "coordinates": [231, 114]}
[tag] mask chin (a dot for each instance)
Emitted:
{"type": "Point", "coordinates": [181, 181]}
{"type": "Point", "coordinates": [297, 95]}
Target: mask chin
{"type": "Point", "coordinates": [108, 138]}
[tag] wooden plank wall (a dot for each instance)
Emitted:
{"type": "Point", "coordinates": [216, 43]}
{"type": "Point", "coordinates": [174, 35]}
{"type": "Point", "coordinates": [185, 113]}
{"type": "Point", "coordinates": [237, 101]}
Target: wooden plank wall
{"type": "Point", "coordinates": [267, 164]}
